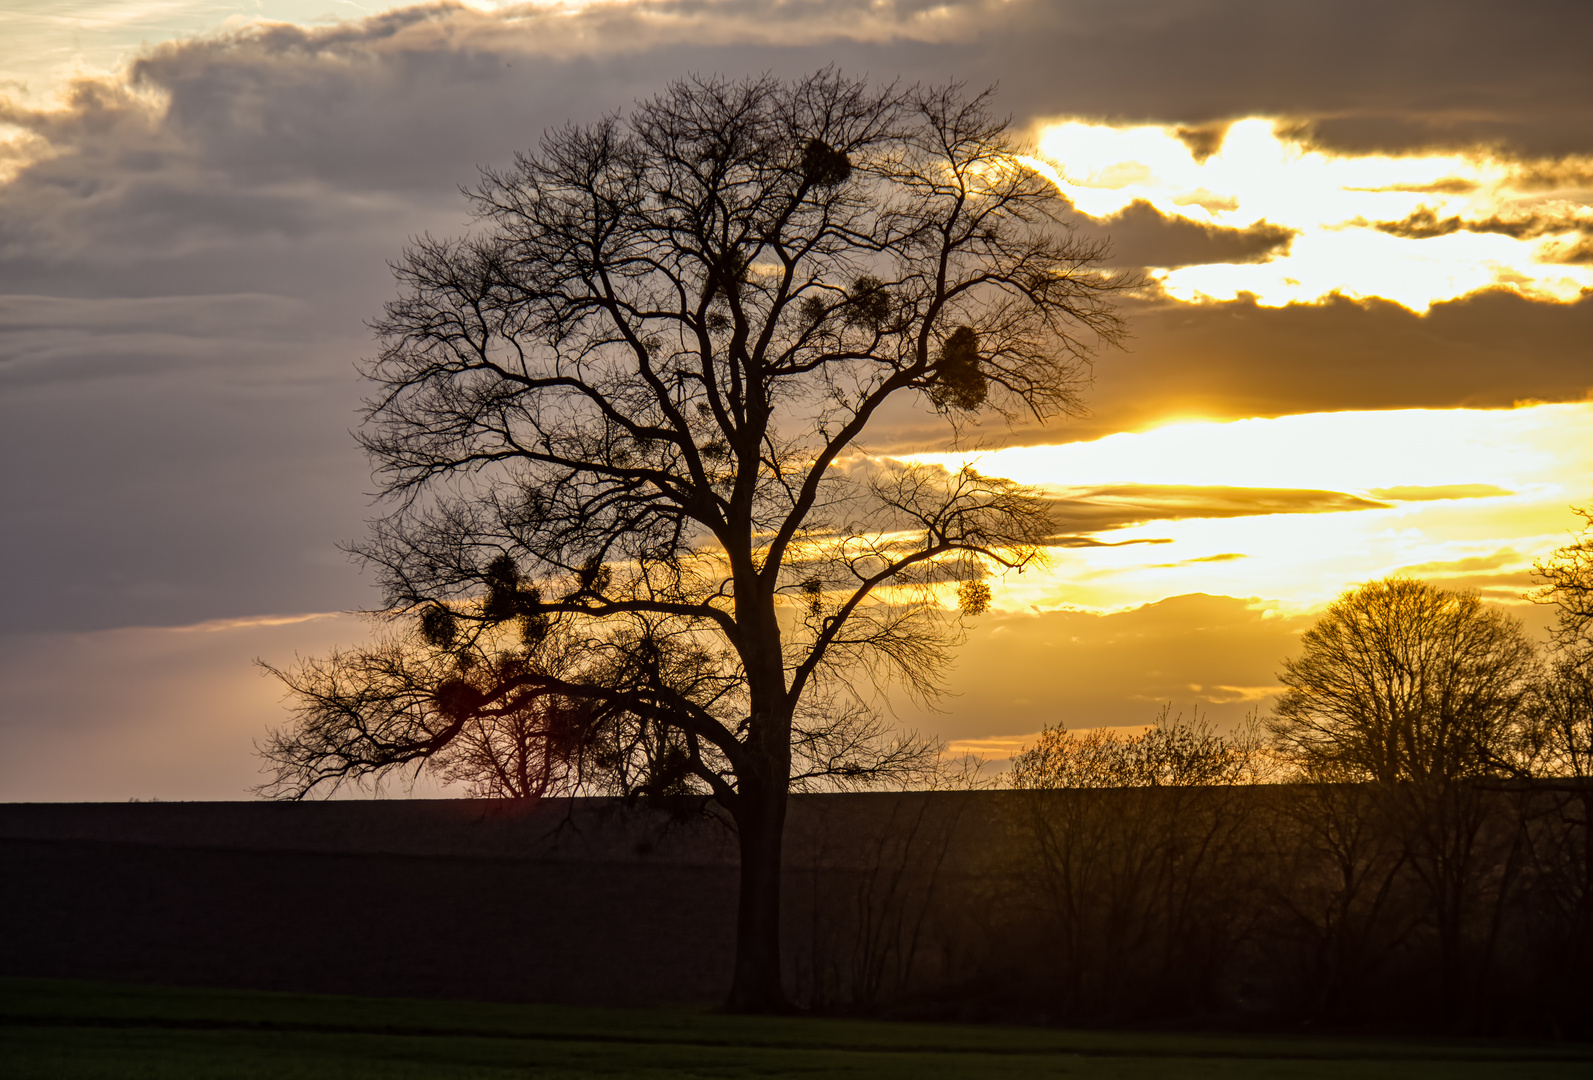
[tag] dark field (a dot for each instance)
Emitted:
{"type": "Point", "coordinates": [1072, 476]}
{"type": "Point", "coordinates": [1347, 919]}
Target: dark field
{"type": "Point", "coordinates": [1278, 909]}
{"type": "Point", "coordinates": [69, 1029]}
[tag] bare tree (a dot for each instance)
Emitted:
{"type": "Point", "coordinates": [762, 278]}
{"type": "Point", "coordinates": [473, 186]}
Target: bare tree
{"type": "Point", "coordinates": [507, 707]}
{"type": "Point", "coordinates": [1566, 696]}
{"type": "Point", "coordinates": [1172, 752]}
{"type": "Point", "coordinates": [1402, 680]}
{"type": "Point", "coordinates": [1424, 691]}
{"type": "Point", "coordinates": [633, 404]}
{"type": "Point", "coordinates": [1562, 836]}
{"type": "Point", "coordinates": [1567, 582]}
{"type": "Point", "coordinates": [1134, 851]}
{"type": "Point", "coordinates": [1334, 886]}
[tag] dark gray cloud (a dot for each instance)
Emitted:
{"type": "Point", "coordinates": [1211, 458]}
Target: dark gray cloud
{"type": "Point", "coordinates": [49, 339]}
{"type": "Point", "coordinates": [171, 497]}
{"type": "Point", "coordinates": [1580, 253]}
{"type": "Point", "coordinates": [1235, 359]}
{"type": "Point", "coordinates": [1141, 235]}
{"type": "Point", "coordinates": [1203, 141]}
{"type": "Point", "coordinates": [1424, 224]}
{"type": "Point", "coordinates": [184, 277]}
{"type": "Point", "coordinates": [1360, 75]}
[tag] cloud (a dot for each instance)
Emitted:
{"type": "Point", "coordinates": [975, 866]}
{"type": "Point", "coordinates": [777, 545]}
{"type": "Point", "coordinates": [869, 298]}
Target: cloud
{"type": "Point", "coordinates": [188, 253]}
{"type": "Point", "coordinates": [1202, 141]}
{"type": "Point", "coordinates": [162, 713]}
{"type": "Point", "coordinates": [1094, 510]}
{"type": "Point", "coordinates": [1141, 235]}
{"type": "Point", "coordinates": [1319, 209]}
{"type": "Point", "coordinates": [1226, 556]}
{"type": "Point", "coordinates": [1504, 577]}
{"type": "Point", "coordinates": [1219, 654]}
{"type": "Point", "coordinates": [175, 496]}
{"type": "Point", "coordinates": [1566, 174]}
{"type": "Point", "coordinates": [1498, 560]}
{"type": "Point", "coordinates": [1228, 360]}
{"type": "Point", "coordinates": [1065, 541]}
{"type": "Point", "coordinates": [1237, 359]}
{"type": "Point", "coordinates": [1425, 224]}
{"type": "Point", "coordinates": [1453, 185]}
{"type": "Point", "coordinates": [68, 339]}
{"type": "Point", "coordinates": [1438, 492]}
{"type": "Point", "coordinates": [1579, 253]}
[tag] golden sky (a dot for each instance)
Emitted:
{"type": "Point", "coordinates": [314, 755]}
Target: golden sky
{"type": "Point", "coordinates": [1412, 228]}
{"type": "Point", "coordinates": [1195, 534]}
{"type": "Point", "coordinates": [1298, 509]}
{"type": "Point", "coordinates": [1364, 345]}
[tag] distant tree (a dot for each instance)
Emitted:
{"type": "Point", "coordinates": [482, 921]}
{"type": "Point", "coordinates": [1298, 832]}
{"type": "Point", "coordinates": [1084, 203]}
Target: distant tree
{"type": "Point", "coordinates": [1336, 889]}
{"type": "Point", "coordinates": [621, 428]}
{"type": "Point", "coordinates": [1566, 579]}
{"type": "Point", "coordinates": [1172, 752]}
{"type": "Point", "coordinates": [1562, 839]}
{"type": "Point", "coordinates": [1424, 691]}
{"type": "Point", "coordinates": [1402, 680]}
{"type": "Point", "coordinates": [1565, 715]}
{"type": "Point", "coordinates": [1132, 846]}
{"type": "Point", "coordinates": [1566, 699]}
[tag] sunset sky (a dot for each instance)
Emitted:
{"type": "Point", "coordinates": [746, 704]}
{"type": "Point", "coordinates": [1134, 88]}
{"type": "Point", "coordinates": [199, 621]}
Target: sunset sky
{"type": "Point", "coordinates": [1365, 345]}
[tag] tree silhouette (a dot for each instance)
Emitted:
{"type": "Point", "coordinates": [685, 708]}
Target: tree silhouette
{"type": "Point", "coordinates": [1423, 691]}
{"type": "Point", "coordinates": [1566, 697]}
{"type": "Point", "coordinates": [1402, 680]}
{"type": "Point", "coordinates": [1172, 752]}
{"type": "Point", "coordinates": [621, 431]}
{"type": "Point", "coordinates": [1566, 579]}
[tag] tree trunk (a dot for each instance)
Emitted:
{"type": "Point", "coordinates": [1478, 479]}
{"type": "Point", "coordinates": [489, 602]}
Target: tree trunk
{"type": "Point", "coordinates": [760, 827]}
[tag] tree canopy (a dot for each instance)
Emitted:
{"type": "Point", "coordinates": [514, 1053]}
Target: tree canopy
{"type": "Point", "coordinates": [1566, 700]}
{"type": "Point", "coordinates": [1172, 752]}
{"type": "Point", "coordinates": [635, 535]}
{"type": "Point", "coordinates": [1403, 680]}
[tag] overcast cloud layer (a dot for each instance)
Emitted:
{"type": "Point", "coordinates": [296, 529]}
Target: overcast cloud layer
{"type": "Point", "coordinates": [188, 253]}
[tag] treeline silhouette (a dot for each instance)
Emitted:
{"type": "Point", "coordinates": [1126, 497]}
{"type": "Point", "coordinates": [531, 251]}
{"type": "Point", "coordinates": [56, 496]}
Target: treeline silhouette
{"type": "Point", "coordinates": [1366, 906]}
{"type": "Point", "coordinates": [1403, 843]}
{"type": "Point", "coordinates": [1275, 906]}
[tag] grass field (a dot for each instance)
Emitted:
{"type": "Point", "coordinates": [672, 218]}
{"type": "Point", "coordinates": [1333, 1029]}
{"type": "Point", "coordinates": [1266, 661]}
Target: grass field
{"type": "Point", "coordinates": [79, 1030]}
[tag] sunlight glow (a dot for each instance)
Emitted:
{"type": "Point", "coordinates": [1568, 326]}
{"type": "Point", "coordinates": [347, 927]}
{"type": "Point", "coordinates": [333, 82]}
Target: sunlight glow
{"type": "Point", "coordinates": [1466, 497]}
{"type": "Point", "coordinates": [1413, 229]}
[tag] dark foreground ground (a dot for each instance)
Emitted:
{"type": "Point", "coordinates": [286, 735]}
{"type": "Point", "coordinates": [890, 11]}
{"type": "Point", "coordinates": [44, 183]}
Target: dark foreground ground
{"type": "Point", "coordinates": [72, 1029]}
